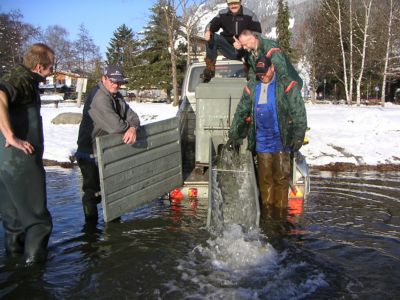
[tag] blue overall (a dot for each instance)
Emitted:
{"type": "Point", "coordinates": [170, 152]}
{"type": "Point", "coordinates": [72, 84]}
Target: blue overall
{"type": "Point", "coordinates": [268, 139]}
{"type": "Point", "coordinates": [273, 160]}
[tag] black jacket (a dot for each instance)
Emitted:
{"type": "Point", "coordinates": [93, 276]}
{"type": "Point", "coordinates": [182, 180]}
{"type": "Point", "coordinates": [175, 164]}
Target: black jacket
{"type": "Point", "coordinates": [233, 25]}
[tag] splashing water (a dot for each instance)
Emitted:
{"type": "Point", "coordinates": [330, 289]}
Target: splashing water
{"type": "Point", "coordinates": [234, 196]}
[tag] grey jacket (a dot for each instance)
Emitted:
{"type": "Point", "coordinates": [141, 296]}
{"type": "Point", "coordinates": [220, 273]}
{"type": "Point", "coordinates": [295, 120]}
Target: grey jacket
{"type": "Point", "coordinates": [103, 113]}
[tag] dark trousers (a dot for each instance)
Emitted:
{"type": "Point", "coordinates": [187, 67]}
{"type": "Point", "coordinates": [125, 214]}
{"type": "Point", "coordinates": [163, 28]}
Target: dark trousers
{"type": "Point", "coordinates": [23, 204]}
{"type": "Point", "coordinates": [219, 43]}
{"type": "Point", "coordinates": [273, 179]}
{"type": "Point", "coordinates": [90, 187]}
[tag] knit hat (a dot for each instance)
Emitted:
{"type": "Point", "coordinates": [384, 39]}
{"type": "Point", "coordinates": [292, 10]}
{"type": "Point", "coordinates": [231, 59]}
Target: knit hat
{"type": "Point", "coordinates": [232, 1]}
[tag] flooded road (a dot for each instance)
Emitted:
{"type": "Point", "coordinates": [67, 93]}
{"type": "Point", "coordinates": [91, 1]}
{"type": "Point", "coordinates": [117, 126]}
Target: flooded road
{"type": "Point", "coordinates": [343, 243]}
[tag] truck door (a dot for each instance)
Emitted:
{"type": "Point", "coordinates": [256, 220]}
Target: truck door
{"type": "Point", "coordinates": [132, 175]}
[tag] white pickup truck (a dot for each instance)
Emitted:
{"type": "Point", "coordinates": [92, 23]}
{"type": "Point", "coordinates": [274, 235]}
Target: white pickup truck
{"type": "Point", "coordinates": [207, 110]}
{"type": "Point", "coordinates": [182, 152]}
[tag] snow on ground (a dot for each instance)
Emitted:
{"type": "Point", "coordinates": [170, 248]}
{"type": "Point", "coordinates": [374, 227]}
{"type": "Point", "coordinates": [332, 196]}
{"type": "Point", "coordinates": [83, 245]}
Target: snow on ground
{"type": "Point", "coordinates": [60, 140]}
{"type": "Point", "coordinates": [360, 135]}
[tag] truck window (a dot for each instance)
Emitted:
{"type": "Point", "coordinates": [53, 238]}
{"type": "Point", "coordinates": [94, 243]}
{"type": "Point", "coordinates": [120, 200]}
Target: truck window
{"type": "Point", "coordinates": [221, 71]}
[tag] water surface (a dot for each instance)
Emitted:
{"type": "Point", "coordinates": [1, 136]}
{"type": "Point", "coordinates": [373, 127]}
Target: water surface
{"type": "Point", "coordinates": [343, 243]}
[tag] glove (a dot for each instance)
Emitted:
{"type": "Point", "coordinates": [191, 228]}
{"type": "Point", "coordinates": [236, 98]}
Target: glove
{"type": "Point", "coordinates": [297, 145]}
{"type": "Point", "coordinates": [232, 145]}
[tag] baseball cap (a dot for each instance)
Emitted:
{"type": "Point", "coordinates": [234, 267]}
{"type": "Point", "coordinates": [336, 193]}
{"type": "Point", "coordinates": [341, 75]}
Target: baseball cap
{"type": "Point", "coordinates": [262, 64]}
{"type": "Point", "coordinates": [114, 73]}
{"type": "Point", "coordinates": [232, 1]}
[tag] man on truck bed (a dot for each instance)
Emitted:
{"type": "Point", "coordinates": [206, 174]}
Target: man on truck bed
{"type": "Point", "coordinates": [257, 46]}
{"type": "Point", "coordinates": [272, 114]}
{"type": "Point", "coordinates": [233, 21]}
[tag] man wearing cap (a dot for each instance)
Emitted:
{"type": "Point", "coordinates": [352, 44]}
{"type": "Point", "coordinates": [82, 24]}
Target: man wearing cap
{"type": "Point", "coordinates": [105, 111]}
{"type": "Point", "coordinates": [272, 114]}
{"type": "Point", "coordinates": [233, 20]}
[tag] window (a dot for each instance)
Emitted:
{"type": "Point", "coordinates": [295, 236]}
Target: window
{"type": "Point", "coordinates": [221, 71]}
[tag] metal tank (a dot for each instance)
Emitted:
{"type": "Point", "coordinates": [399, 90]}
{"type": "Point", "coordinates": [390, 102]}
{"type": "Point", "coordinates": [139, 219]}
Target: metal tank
{"type": "Point", "coordinates": [216, 103]}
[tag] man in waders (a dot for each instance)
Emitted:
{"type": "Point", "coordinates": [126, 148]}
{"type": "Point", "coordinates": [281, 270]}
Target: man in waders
{"type": "Point", "coordinates": [233, 20]}
{"type": "Point", "coordinates": [105, 111]}
{"type": "Point", "coordinates": [23, 200]}
{"type": "Point", "coordinates": [271, 113]}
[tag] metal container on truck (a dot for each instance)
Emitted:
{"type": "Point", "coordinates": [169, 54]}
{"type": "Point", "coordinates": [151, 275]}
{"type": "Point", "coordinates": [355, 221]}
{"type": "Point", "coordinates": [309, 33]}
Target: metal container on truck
{"type": "Point", "coordinates": [216, 104]}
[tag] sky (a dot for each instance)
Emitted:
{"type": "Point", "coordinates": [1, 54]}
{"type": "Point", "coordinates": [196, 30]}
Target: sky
{"type": "Point", "coordinates": [100, 17]}
{"type": "Point", "coordinates": [338, 133]}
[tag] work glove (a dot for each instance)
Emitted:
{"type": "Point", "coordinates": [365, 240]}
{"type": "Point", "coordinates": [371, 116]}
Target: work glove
{"type": "Point", "coordinates": [297, 145]}
{"type": "Point", "coordinates": [232, 145]}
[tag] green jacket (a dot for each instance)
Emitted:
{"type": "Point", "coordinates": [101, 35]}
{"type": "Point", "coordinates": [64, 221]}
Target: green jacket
{"type": "Point", "coordinates": [291, 114]}
{"type": "Point", "coordinates": [271, 49]}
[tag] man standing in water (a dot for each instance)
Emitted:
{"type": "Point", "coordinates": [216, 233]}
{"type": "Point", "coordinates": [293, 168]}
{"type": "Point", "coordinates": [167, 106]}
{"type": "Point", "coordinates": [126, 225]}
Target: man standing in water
{"type": "Point", "coordinates": [105, 112]}
{"type": "Point", "coordinates": [23, 200]}
{"type": "Point", "coordinates": [272, 114]}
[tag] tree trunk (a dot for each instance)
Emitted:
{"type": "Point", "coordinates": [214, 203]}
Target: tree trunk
{"type": "Point", "coordinates": [361, 73]}
{"type": "Point", "coordinates": [189, 45]}
{"type": "Point", "coordinates": [314, 84]}
{"type": "Point", "coordinates": [170, 22]}
{"type": "Point", "coordinates": [388, 46]}
{"type": "Point", "coordinates": [351, 65]}
{"type": "Point", "coordinates": [339, 21]}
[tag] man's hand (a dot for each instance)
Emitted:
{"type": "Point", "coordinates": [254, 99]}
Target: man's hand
{"type": "Point", "coordinates": [129, 136]}
{"type": "Point", "coordinates": [20, 144]}
{"type": "Point", "coordinates": [237, 44]}
{"type": "Point", "coordinates": [207, 35]}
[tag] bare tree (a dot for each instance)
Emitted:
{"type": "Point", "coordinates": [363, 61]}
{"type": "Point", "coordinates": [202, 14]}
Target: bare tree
{"type": "Point", "coordinates": [15, 36]}
{"type": "Point", "coordinates": [351, 47]}
{"type": "Point", "coordinates": [364, 30]}
{"type": "Point", "coordinates": [388, 49]}
{"type": "Point", "coordinates": [189, 20]}
{"type": "Point", "coordinates": [86, 52]}
{"type": "Point", "coordinates": [57, 38]}
{"type": "Point", "coordinates": [335, 9]}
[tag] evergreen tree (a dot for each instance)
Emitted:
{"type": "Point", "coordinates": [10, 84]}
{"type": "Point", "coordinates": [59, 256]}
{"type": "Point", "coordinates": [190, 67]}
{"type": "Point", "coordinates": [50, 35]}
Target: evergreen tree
{"type": "Point", "coordinates": [123, 49]}
{"type": "Point", "coordinates": [282, 27]}
{"type": "Point", "coordinates": [153, 68]}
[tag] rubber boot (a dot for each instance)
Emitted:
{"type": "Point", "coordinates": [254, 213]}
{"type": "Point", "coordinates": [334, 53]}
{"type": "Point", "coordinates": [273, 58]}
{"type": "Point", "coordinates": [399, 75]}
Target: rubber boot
{"type": "Point", "coordinates": [209, 71]}
{"type": "Point", "coordinates": [90, 208]}
{"type": "Point", "coordinates": [281, 175]}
